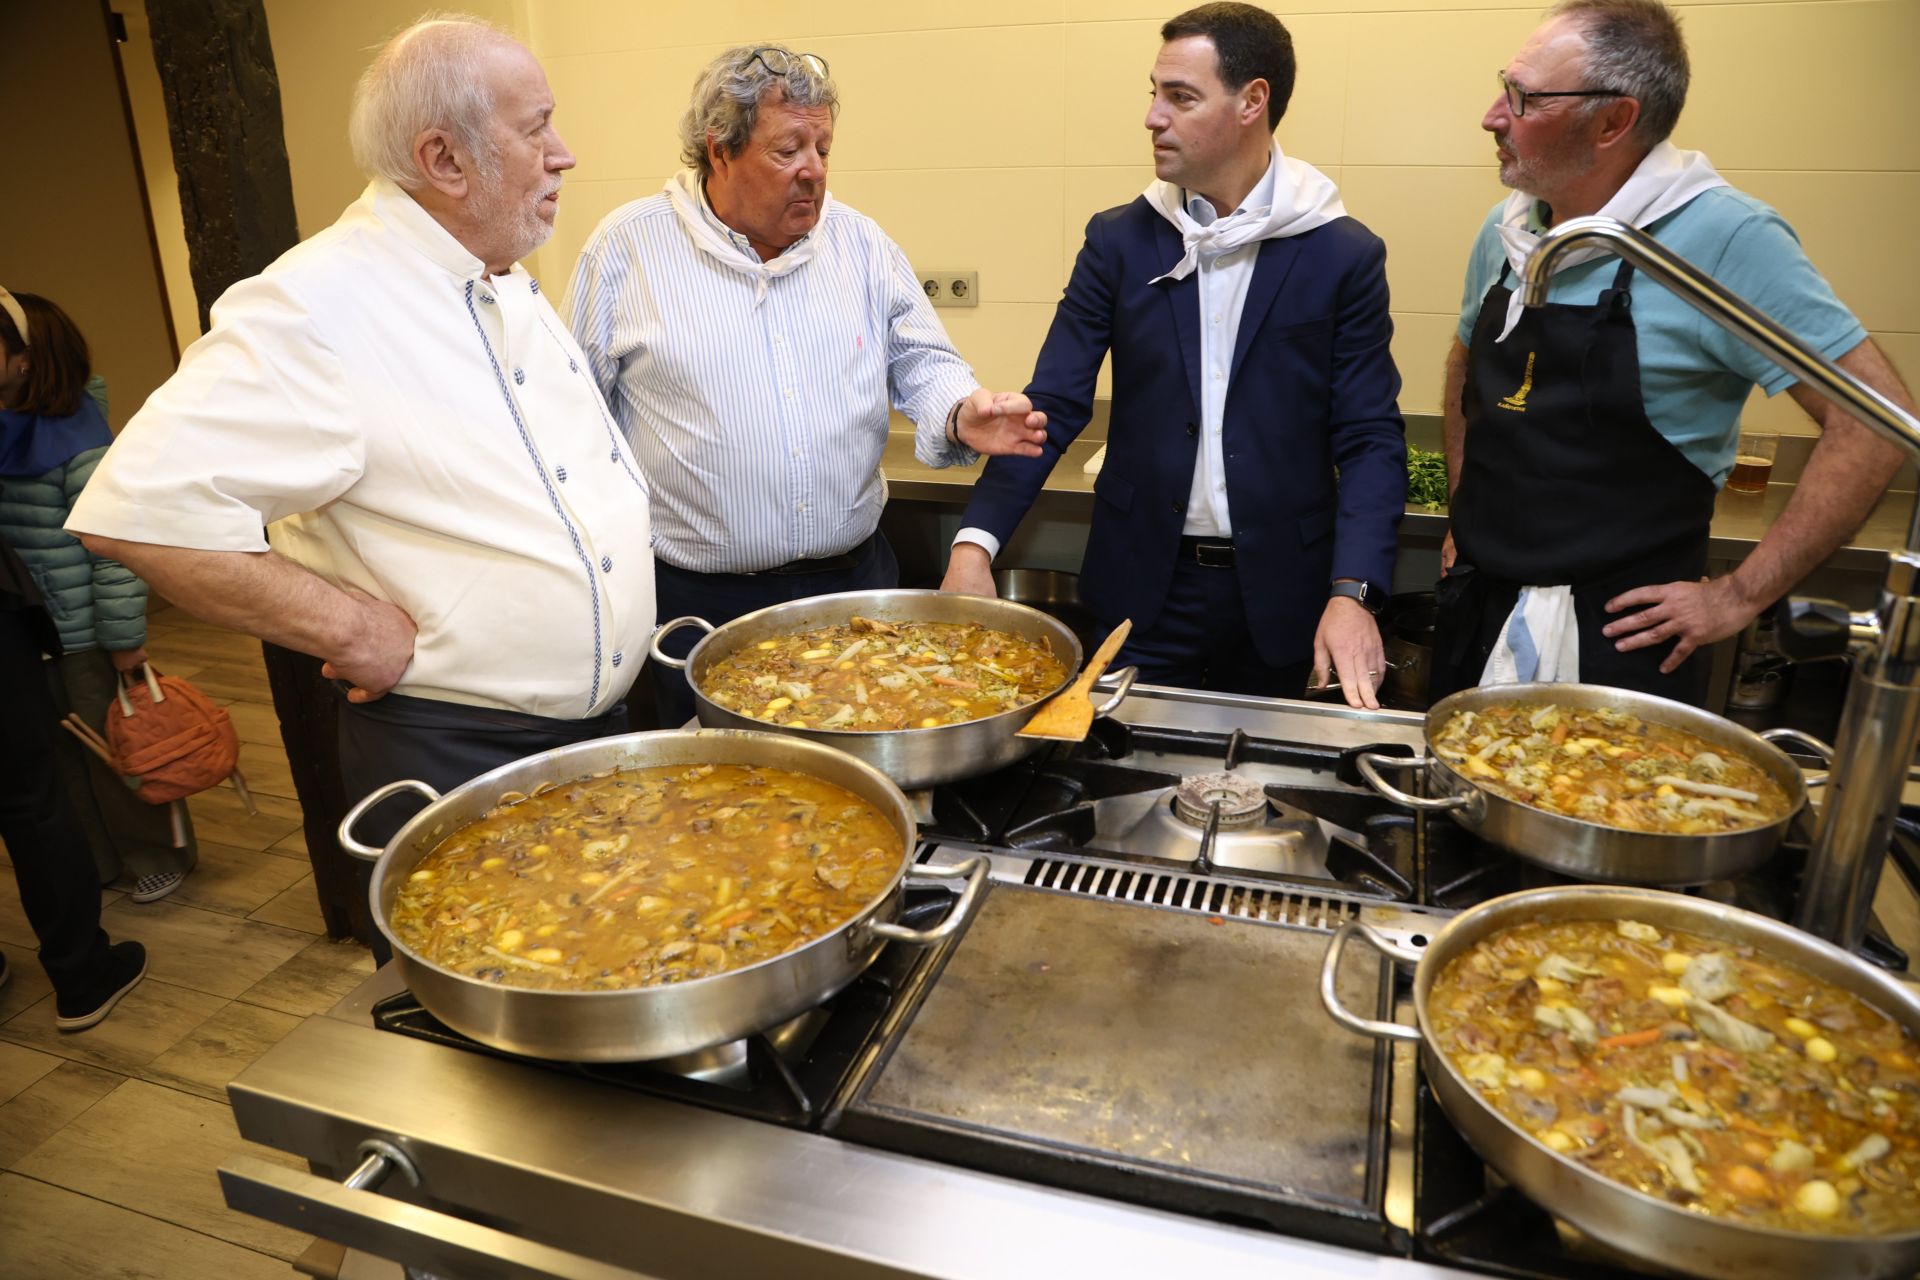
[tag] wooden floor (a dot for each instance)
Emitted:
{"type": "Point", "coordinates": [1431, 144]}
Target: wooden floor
{"type": "Point", "coordinates": [109, 1138]}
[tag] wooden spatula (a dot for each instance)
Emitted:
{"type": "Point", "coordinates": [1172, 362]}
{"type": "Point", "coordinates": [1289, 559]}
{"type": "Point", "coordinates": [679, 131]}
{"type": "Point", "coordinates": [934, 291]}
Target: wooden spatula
{"type": "Point", "coordinates": [1068, 717]}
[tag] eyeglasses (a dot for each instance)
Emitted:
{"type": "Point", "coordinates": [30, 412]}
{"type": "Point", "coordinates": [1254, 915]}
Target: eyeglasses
{"type": "Point", "coordinates": [781, 63]}
{"type": "Point", "coordinates": [1517, 97]}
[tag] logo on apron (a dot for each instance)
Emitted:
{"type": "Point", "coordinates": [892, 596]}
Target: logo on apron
{"type": "Point", "coordinates": [1518, 400]}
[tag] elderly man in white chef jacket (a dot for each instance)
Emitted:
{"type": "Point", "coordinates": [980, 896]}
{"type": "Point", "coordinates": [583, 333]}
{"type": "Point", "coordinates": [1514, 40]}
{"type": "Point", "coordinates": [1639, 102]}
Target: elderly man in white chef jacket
{"type": "Point", "coordinates": [459, 531]}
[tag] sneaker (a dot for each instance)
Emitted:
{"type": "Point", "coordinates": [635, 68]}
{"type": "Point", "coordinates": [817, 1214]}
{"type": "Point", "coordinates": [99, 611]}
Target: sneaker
{"type": "Point", "coordinates": [126, 965]}
{"type": "Point", "coordinates": [153, 888]}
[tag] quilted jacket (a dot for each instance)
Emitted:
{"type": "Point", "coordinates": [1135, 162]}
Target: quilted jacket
{"type": "Point", "coordinates": [95, 603]}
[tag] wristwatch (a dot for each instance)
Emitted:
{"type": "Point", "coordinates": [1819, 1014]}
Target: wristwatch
{"type": "Point", "coordinates": [1370, 597]}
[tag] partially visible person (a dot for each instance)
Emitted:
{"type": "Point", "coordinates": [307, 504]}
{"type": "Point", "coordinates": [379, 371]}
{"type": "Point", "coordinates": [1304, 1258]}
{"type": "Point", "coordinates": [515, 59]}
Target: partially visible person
{"type": "Point", "coordinates": [749, 332]}
{"type": "Point", "coordinates": [1246, 515]}
{"type": "Point", "coordinates": [459, 531]}
{"type": "Point", "coordinates": [52, 435]}
{"type": "Point", "coordinates": [51, 865]}
{"type": "Point", "coordinates": [1587, 439]}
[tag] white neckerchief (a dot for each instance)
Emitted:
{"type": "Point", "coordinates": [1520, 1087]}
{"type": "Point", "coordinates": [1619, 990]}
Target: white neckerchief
{"type": "Point", "coordinates": [683, 192]}
{"type": "Point", "coordinates": [1666, 179]}
{"type": "Point", "coordinates": [1303, 198]}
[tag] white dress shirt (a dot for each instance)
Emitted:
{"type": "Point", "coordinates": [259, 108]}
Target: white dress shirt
{"type": "Point", "coordinates": [1224, 278]}
{"type": "Point", "coordinates": [416, 430]}
{"type": "Point", "coordinates": [755, 395]}
{"type": "Point", "coordinates": [1223, 295]}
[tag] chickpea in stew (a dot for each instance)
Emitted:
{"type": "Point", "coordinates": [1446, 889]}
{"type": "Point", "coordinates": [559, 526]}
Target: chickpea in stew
{"type": "Point", "coordinates": [1698, 1071]}
{"type": "Point", "coordinates": [1609, 766]}
{"type": "Point", "coordinates": [647, 876]}
{"type": "Point", "coordinates": [871, 675]}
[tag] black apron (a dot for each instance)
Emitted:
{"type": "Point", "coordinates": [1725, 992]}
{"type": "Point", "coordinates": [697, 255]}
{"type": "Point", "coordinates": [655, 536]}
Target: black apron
{"type": "Point", "coordinates": [1565, 481]}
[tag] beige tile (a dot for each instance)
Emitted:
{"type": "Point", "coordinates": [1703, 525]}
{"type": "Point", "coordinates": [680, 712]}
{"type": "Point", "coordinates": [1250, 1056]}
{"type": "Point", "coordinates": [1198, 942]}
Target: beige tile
{"type": "Point", "coordinates": [619, 111]}
{"type": "Point", "coordinates": [1428, 217]}
{"type": "Point", "coordinates": [219, 1049]}
{"type": "Point", "coordinates": [204, 950]}
{"type": "Point", "coordinates": [293, 846]}
{"type": "Point", "coordinates": [219, 816]}
{"type": "Point", "coordinates": [150, 1020]}
{"type": "Point", "coordinates": [1427, 80]}
{"type": "Point", "coordinates": [315, 980]}
{"type": "Point", "coordinates": [296, 908]}
{"type": "Point", "coordinates": [1089, 191]}
{"type": "Point", "coordinates": [1743, 113]}
{"type": "Point", "coordinates": [72, 1237]}
{"type": "Point", "coordinates": [46, 1106]}
{"type": "Point", "coordinates": [1420, 345]}
{"type": "Point", "coordinates": [264, 765]}
{"type": "Point", "coordinates": [155, 1150]}
{"type": "Point", "coordinates": [1106, 77]}
{"type": "Point", "coordinates": [890, 110]}
{"type": "Point", "coordinates": [1006, 240]}
{"type": "Point", "coordinates": [255, 722]}
{"type": "Point", "coordinates": [1783, 413]}
{"type": "Point", "coordinates": [236, 881]}
{"type": "Point", "coordinates": [20, 1067]}
{"type": "Point", "coordinates": [1000, 340]}
{"type": "Point", "coordinates": [28, 981]}
{"type": "Point", "coordinates": [583, 25]}
{"type": "Point", "coordinates": [13, 918]}
{"type": "Point", "coordinates": [1876, 275]}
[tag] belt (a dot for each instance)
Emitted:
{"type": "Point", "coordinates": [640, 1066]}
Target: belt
{"type": "Point", "coordinates": [825, 564]}
{"type": "Point", "coordinates": [1208, 553]}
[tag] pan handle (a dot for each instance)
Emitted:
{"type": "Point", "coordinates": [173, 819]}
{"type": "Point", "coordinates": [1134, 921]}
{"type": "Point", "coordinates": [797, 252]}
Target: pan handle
{"type": "Point", "coordinates": [974, 869]}
{"type": "Point", "coordinates": [1122, 681]}
{"type": "Point", "coordinates": [1330, 967]}
{"type": "Point", "coordinates": [660, 633]}
{"type": "Point", "coordinates": [1807, 740]}
{"type": "Point", "coordinates": [1369, 763]}
{"type": "Point", "coordinates": [367, 851]}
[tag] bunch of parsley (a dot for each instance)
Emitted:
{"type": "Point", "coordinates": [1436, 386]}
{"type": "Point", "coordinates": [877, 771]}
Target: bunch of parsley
{"type": "Point", "coordinates": [1426, 478]}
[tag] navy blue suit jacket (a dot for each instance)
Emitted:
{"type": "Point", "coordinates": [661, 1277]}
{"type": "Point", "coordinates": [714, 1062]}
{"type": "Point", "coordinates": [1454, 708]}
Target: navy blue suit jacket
{"type": "Point", "coordinates": [1312, 388]}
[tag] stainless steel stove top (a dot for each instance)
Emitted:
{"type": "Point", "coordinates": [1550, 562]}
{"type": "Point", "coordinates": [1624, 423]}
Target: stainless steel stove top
{"type": "Point", "coordinates": [525, 1171]}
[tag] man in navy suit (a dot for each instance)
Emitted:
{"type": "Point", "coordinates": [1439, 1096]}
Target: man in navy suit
{"type": "Point", "coordinates": [1245, 517]}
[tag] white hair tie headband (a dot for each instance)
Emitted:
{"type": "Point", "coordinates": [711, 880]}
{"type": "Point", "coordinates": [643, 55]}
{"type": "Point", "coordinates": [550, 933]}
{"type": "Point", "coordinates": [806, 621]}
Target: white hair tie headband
{"type": "Point", "coordinates": [11, 305]}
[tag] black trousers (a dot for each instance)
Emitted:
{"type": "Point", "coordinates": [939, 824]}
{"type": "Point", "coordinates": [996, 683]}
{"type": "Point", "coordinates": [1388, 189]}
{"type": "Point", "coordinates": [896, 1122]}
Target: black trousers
{"type": "Point", "coordinates": [51, 861]}
{"type": "Point", "coordinates": [1201, 641]}
{"type": "Point", "coordinates": [442, 744]}
{"type": "Point", "coordinates": [722, 597]}
{"type": "Point", "coordinates": [307, 706]}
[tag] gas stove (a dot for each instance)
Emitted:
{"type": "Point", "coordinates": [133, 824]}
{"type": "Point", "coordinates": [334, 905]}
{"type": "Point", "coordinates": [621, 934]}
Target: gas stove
{"type": "Point", "coordinates": [1121, 1063]}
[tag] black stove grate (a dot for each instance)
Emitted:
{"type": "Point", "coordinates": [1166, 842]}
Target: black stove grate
{"type": "Point", "coordinates": [791, 1086]}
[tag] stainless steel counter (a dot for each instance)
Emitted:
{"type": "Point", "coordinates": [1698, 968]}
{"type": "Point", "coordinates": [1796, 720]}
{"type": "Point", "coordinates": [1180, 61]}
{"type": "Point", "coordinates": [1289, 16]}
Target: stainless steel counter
{"type": "Point", "coordinates": [1739, 519]}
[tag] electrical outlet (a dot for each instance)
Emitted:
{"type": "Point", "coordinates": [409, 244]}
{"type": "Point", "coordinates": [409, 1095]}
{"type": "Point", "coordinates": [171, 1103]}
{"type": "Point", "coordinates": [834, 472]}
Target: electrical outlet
{"type": "Point", "coordinates": [951, 288]}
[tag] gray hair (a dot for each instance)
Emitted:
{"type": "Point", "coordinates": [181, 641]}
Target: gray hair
{"type": "Point", "coordinates": [1634, 47]}
{"type": "Point", "coordinates": [727, 96]}
{"type": "Point", "coordinates": [430, 76]}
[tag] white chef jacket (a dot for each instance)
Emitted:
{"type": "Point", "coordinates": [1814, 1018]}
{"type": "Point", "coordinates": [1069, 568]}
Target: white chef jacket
{"type": "Point", "coordinates": [416, 430]}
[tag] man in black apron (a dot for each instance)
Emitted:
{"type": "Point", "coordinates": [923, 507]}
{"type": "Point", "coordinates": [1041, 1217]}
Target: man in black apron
{"type": "Point", "coordinates": [1562, 478]}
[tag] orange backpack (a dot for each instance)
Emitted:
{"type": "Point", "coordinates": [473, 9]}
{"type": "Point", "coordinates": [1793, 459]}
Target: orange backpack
{"type": "Point", "coordinates": [170, 736]}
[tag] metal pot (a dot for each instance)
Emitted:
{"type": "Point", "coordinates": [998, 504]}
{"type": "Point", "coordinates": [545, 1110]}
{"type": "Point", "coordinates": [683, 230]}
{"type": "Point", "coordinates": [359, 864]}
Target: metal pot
{"type": "Point", "coordinates": [914, 758]}
{"type": "Point", "coordinates": [651, 1022]}
{"type": "Point", "coordinates": [1410, 624]}
{"type": "Point", "coordinates": [1646, 1227]}
{"type": "Point", "coordinates": [1592, 850]}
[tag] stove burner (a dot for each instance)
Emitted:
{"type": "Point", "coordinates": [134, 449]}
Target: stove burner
{"type": "Point", "coordinates": [1242, 802]}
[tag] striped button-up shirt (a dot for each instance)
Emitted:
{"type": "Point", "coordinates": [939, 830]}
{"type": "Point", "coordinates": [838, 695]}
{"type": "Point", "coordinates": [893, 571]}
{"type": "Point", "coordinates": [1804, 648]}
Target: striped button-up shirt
{"type": "Point", "coordinates": [755, 396]}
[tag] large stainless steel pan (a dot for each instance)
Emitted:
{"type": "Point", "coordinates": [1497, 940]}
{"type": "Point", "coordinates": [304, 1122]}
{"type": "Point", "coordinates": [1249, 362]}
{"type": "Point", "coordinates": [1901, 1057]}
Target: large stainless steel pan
{"type": "Point", "coordinates": [651, 1022]}
{"type": "Point", "coordinates": [1592, 850]}
{"type": "Point", "coordinates": [1646, 1227]}
{"type": "Point", "coordinates": [914, 758]}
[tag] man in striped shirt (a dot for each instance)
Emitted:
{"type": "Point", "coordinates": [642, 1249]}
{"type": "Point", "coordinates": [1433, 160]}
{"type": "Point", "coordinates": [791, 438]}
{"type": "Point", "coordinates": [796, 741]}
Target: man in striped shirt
{"type": "Point", "coordinates": [749, 334]}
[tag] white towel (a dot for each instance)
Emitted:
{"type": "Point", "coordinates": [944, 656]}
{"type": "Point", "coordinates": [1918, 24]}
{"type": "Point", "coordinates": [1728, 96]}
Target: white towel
{"type": "Point", "coordinates": [1538, 642]}
{"type": "Point", "coordinates": [683, 192]}
{"type": "Point", "coordinates": [1665, 180]}
{"type": "Point", "coordinates": [1303, 198]}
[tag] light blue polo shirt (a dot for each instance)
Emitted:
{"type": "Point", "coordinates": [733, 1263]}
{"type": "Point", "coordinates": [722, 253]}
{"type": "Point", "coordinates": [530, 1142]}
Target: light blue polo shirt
{"type": "Point", "coordinates": [1694, 375]}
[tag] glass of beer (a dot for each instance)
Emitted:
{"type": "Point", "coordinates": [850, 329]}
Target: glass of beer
{"type": "Point", "coordinates": [1753, 462]}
